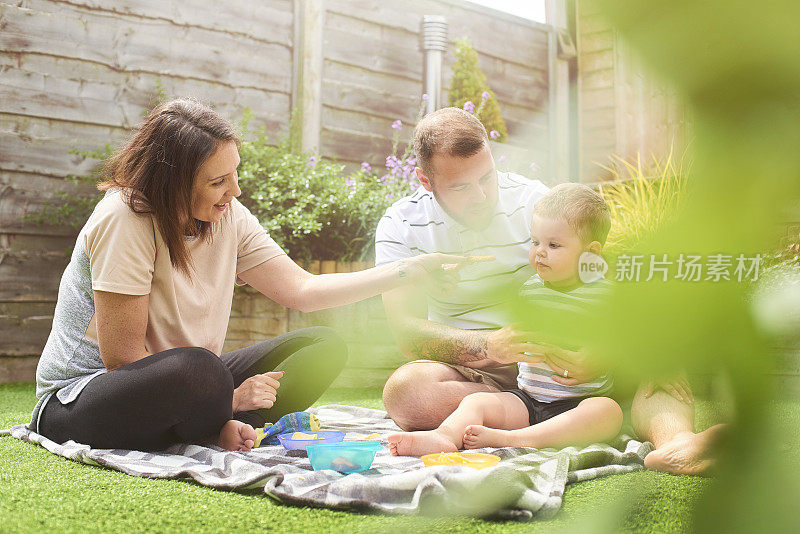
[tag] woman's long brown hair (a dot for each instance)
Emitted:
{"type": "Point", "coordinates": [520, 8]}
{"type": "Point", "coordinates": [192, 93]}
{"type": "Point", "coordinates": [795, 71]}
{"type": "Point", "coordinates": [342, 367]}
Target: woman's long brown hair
{"type": "Point", "coordinates": [158, 165]}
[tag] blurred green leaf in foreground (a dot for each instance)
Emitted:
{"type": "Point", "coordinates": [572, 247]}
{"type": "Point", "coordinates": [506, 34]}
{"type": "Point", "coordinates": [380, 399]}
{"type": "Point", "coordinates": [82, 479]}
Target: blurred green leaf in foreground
{"type": "Point", "coordinates": [737, 65]}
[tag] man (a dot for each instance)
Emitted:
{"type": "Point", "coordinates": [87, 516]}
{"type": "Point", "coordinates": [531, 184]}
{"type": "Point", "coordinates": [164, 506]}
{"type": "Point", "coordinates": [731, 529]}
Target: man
{"type": "Point", "coordinates": [463, 342]}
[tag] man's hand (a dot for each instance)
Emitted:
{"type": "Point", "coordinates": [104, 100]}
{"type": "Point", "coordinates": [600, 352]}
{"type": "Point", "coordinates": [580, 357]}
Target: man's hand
{"type": "Point", "coordinates": [438, 273]}
{"type": "Point", "coordinates": [570, 367]}
{"type": "Point", "coordinates": [509, 345]}
{"type": "Point", "coordinates": [677, 387]}
{"type": "Point", "coordinates": [258, 391]}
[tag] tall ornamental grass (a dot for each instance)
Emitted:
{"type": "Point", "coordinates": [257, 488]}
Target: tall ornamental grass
{"type": "Point", "coordinates": [642, 198]}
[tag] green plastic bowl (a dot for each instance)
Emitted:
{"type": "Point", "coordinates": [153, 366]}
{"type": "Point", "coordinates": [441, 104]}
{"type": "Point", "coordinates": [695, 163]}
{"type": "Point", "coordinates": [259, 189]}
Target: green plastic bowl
{"type": "Point", "coordinates": [344, 457]}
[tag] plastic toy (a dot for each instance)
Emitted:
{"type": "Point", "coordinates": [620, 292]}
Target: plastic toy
{"type": "Point", "coordinates": [344, 457]}
{"type": "Point", "coordinates": [475, 460]}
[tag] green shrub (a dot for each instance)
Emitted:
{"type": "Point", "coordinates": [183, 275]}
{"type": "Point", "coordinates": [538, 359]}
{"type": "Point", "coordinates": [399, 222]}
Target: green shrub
{"type": "Point", "coordinates": [314, 208]}
{"type": "Point", "coordinates": [470, 91]}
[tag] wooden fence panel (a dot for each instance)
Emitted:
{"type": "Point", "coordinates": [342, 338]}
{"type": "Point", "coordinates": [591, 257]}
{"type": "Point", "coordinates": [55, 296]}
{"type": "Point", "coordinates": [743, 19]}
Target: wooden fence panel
{"type": "Point", "coordinates": [237, 18]}
{"type": "Point", "coordinates": [379, 43]}
{"type": "Point", "coordinates": [32, 265]}
{"type": "Point", "coordinates": [24, 328]}
{"type": "Point", "coordinates": [150, 45]}
{"type": "Point", "coordinates": [59, 95]}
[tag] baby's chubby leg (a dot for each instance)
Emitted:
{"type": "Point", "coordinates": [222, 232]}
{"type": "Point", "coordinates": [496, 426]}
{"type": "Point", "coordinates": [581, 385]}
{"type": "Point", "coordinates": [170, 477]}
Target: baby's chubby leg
{"type": "Point", "coordinates": [596, 419]}
{"type": "Point", "coordinates": [498, 410]}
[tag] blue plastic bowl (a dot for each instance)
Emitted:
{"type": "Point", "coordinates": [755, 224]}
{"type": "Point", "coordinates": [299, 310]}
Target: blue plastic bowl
{"type": "Point", "coordinates": [323, 436]}
{"type": "Point", "coordinates": [345, 456]}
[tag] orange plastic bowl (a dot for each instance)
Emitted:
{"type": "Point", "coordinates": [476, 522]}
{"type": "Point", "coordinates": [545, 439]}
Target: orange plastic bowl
{"type": "Point", "coordinates": [475, 460]}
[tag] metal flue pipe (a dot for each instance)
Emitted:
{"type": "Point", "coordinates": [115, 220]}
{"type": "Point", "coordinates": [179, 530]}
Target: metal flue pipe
{"type": "Point", "coordinates": [434, 45]}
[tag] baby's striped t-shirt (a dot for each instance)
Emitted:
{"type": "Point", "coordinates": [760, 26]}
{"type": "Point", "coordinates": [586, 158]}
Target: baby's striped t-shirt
{"type": "Point", "coordinates": [561, 313]}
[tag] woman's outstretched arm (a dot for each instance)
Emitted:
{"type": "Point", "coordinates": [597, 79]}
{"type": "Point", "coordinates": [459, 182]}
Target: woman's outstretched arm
{"type": "Point", "coordinates": [283, 281]}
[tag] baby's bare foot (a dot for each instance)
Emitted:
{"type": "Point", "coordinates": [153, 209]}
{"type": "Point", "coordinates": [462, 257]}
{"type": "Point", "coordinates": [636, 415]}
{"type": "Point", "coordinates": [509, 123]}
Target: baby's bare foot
{"type": "Point", "coordinates": [236, 436]}
{"type": "Point", "coordinates": [419, 443]}
{"type": "Point", "coordinates": [477, 436]}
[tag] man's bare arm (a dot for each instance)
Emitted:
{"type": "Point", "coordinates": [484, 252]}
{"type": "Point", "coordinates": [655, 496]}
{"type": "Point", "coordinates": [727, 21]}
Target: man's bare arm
{"type": "Point", "coordinates": [419, 338]}
{"type": "Point", "coordinates": [434, 341]}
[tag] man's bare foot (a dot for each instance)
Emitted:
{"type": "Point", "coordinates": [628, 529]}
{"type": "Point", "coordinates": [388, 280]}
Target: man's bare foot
{"type": "Point", "coordinates": [687, 453]}
{"type": "Point", "coordinates": [236, 436]}
{"type": "Point", "coordinates": [477, 436]}
{"type": "Point", "coordinates": [419, 443]}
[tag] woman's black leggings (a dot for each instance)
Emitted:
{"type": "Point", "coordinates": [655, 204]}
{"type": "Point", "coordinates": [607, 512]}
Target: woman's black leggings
{"type": "Point", "coordinates": [185, 394]}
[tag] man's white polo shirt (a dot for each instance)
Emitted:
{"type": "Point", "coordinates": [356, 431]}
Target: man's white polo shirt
{"type": "Point", "coordinates": [418, 225]}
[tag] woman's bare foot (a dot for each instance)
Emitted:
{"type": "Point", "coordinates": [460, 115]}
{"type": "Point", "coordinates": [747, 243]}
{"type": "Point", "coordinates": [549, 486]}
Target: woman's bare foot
{"type": "Point", "coordinates": [236, 436]}
{"type": "Point", "coordinates": [687, 453]}
{"type": "Point", "coordinates": [477, 436]}
{"type": "Point", "coordinates": [419, 443]}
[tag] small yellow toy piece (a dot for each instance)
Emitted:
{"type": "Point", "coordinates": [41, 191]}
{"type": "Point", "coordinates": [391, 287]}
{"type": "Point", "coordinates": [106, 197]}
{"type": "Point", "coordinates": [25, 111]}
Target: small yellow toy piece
{"type": "Point", "coordinates": [475, 460]}
{"type": "Point", "coordinates": [363, 437]}
{"type": "Point", "coordinates": [313, 422]}
{"type": "Point", "coordinates": [302, 436]}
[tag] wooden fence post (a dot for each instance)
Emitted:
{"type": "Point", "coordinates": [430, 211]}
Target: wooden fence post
{"type": "Point", "coordinates": [309, 20]}
{"type": "Point", "coordinates": [558, 102]}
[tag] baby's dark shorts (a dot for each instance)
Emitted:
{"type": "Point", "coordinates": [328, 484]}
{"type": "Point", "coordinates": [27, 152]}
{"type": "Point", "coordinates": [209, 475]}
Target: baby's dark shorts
{"type": "Point", "coordinates": [542, 411]}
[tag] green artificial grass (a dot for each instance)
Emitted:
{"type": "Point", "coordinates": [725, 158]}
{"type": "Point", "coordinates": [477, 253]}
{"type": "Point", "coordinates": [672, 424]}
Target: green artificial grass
{"type": "Point", "coordinates": [40, 491]}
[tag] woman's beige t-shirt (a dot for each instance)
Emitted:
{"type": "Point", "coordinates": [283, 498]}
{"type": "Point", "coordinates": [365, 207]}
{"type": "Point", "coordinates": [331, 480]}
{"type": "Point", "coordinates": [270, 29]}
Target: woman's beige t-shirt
{"type": "Point", "coordinates": [128, 255]}
{"type": "Point", "coordinates": [122, 252]}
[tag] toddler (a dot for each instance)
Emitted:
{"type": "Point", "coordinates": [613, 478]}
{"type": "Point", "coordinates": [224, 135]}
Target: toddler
{"type": "Point", "coordinates": [569, 220]}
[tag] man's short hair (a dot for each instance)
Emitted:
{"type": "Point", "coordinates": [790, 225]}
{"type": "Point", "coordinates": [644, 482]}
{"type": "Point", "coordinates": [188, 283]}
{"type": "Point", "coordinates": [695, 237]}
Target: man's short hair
{"type": "Point", "coordinates": [584, 209]}
{"type": "Point", "coordinates": [449, 132]}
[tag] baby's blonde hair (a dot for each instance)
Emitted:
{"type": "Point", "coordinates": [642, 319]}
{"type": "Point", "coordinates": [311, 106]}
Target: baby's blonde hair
{"type": "Point", "coordinates": [584, 210]}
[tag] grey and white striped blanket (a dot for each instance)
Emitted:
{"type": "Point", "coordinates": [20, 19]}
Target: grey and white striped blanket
{"type": "Point", "coordinates": [527, 483]}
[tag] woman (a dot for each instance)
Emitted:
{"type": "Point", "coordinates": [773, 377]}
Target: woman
{"type": "Point", "coordinates": [143, 306]}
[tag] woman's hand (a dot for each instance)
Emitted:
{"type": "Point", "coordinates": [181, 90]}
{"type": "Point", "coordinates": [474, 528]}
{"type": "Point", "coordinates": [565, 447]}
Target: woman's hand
{"type": "Point", "coordinates": [571, 367]}
{"type": "Point", "coordinates": [438, 272]}
{"type": "Point", "coordinates": [677, 386]}
{"type": "Point", "coordinates": [258, 391]}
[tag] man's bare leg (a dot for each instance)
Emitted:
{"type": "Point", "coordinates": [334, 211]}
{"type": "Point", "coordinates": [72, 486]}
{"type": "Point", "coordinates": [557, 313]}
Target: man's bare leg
{"type": "Point", "coordinates": [420, 395]}
{"type": "Point", "coordinates": [669, 424]}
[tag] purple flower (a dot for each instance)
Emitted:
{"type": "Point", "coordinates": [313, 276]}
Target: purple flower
{"type": "Point", "coordinates": [494, 134]}
{"type": "Point", "coordinates": [425, 97]}
{"type": "Point", "coordinates": [366, 167]}
{"type": "Point", "coordinates": [389, 196]}
{"type": "Point", "coordinates": [469, 106]}
{"type": "Point", "coordinates": [486, 95]}
{"type": "Point", "coordinates": [397, 125]}
{"type": "Point", "coordinates": [349, 182]}
{"type": "Point", "coordinates": [535, 167]}
{"type": "Point", "coordinates": [392, 162]}
{"type": "Point", "coordinates": [501, 159]}
{"type": "Point", "coordinates": [412, 160]}
{"type": "Point", "coordinates": [312, 161]}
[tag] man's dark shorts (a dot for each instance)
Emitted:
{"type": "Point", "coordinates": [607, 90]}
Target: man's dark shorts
{"type": "Point", "coordinates": [500, 377]}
